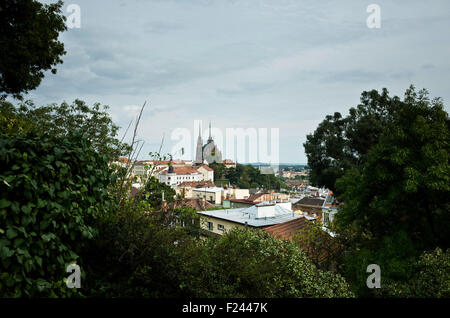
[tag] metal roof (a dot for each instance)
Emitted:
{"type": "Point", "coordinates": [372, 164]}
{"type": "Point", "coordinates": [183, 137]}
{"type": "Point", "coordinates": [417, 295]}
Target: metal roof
{"type": "Point", "coordinates": [248, 215]}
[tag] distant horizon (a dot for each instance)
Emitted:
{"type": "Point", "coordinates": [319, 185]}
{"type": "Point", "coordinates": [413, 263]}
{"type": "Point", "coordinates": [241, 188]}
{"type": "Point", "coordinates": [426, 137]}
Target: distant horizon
{"type": "Point", "coordinates": [244, 163]}
{"type": "Point", "coordinates": [250, 64]}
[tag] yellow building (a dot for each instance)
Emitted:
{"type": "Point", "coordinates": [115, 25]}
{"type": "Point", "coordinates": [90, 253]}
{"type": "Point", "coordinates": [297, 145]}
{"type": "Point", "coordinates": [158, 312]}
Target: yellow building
{"type": "Point", "coordinates": [218, 222]}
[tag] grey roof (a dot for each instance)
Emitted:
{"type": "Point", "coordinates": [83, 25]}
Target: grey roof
{"type": "Point", "coordinates": [248, 215]}
{"type": "Point", "coordinates": [294, 200]}
{"type": "Point", "coordinates": [311, 201]}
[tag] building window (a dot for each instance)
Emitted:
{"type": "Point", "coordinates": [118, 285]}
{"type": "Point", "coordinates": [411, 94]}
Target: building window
{"type": "Point", "coordinates": [220, 227]}
{"type": "Point", "coordinates": [210, 226]}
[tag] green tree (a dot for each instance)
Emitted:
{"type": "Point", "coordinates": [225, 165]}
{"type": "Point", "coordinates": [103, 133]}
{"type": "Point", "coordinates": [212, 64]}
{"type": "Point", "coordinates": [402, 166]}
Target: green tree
{"type": "Point", "coordinates": [60, 120]}
{"type": "Point", "coordinates": [136, 255]}
{"type": "Point", "coordinates": [252, 263]}
{"type": "Point", "coordinates": [52, 189]}
{"type": "Point", "coordinates": [398, 200]}
{"type": "Point", "coordinates": [29, 33]}
{"type": "Point", "coordinates": [341, 143]}
{"type": "Point", "coordinates": [405, 182]}
{"type": "Point", "coordinates": [219, 170]}
{"type": "Point", "coordinates": [153, 193]}
{"type": "Point", "coordinates": [430, 278]}
{"type": "Point", "coordinates": [322, 249]}
{"type": "Point", "coordinates": [188, 219]}
{"type": "Point", "coordinates": [246, 176]}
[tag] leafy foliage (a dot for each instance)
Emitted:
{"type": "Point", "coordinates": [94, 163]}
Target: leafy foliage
{"type": "Point", "coordinates": [187, 218]}
{"type": "Point", "coordinates": [146, 259]}
{"type": "Point", "coordinates": [247, 176]}
{"type": "Point", "coordinates": [51, 191]}
{"type": "Point", "coordinates": [430, 278]}
{"type": "Point", "coordinates": [137, 255]}
{"type": "Point", "coordinates": [341, 143]}
{"type": "Point", "coordinates": [219, 170]}
{"type": "Point", "coordinates": [153, 193]}
{"type": "Point", "coordinates": [397, 200]}
{"type": "Point", "coordinates": [320, 247]}
{"type": "Point", "coordinates": [405, 183]}
{"type": "Point", "coordinates": [63, 119]}
{"type": "Point", "coordinates": [29, 33]}
{"type": "Point", "coordinates": [252, 263]}
{"type": "Point", "coordinates": [394, 254]}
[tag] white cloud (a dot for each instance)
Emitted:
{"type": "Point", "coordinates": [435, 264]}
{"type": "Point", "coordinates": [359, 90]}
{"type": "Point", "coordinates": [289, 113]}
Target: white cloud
{"type": "Point", "coordinates": [246, 63]}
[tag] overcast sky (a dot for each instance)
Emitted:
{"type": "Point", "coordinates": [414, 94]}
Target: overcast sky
{"type": "Point", "coordinates": [246, 63]}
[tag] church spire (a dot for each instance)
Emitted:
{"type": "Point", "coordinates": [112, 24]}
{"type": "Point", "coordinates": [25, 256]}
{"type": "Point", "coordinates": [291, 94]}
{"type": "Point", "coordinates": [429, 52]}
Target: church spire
{"type": "Point", "coordinates": [199, 150]}
{"type": "Point", "coordinates": [210, 138]}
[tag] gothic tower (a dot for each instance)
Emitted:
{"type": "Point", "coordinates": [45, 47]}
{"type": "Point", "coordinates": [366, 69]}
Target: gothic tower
{"type": "Point", "coordinates": [199, 152]}
{"type": "Point", "coordinates": [210, 137]}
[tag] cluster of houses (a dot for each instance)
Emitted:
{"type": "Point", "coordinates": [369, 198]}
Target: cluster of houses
{"type": "Point", "coordinates": [273, 212]}
{"type": "Point", "coordinates": [290, 174]}
{"type": "Point", "coordinates": [225, 207]}
{"type": "Point", "coordinates": [222, 208]}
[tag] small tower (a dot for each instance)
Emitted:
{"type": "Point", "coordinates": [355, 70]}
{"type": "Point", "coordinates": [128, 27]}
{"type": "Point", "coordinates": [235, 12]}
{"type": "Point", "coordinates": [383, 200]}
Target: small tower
{"type": "Point", "coordinates": [210, 137]}
{"type": "Point", "coordinates": [199, 151]}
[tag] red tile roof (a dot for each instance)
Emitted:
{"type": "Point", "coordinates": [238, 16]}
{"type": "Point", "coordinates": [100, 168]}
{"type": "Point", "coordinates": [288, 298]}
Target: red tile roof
{"type": "Point", "coordinates": [197, 204]}
{"type": "Point", "coordinates": [197, 184]}
{"type": "Point", "coordinates": [331, 205]}
{"type": "Point", "coordinates": [123, 159]}
{"type": "Point", "coordinates": [241, 201]}
{"type": "Point", "coordinates": [159, 162]}
{"type": "Point", "coordinates": [205, 166]}
{"type": "Point", "coordinates": [183, 170]}
{"type": "Point", "coordinates": [255, 196]}
{"type": "Point", "coordinates": [286, 230]}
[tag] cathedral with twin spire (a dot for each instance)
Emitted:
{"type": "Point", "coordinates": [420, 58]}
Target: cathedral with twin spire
{"type": "Point", "coordinates": [209, 152]}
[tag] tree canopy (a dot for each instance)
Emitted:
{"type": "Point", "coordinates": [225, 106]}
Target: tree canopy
{"type": "Point", "coordinates": [247, 176]}
{"type": "Point", "coordinates": [341, 143]}
{"type": "Point", "coordinates": [397, 199]}
{"type": "Point", "coordinates": [60, 120]}
{"type": "Point", "coordinates": [154, 190]}
{"type": "Point", "coordinates": [405, 180]}
{"type": "Point", "coordinates": [29, 33]}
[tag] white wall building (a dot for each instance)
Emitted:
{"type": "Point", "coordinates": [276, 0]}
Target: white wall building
{"type": "Point", "coordinates": [207, 172]}
{"type": "Point", "coordinates": [176, 175]}
{"type": "Point", "coordinates": [212, 195]}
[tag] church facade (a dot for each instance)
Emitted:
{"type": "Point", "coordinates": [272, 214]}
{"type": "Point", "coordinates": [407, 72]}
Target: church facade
{"type": "Point", "coordinates": [209, 152]}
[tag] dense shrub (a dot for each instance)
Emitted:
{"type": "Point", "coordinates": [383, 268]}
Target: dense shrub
{"type": "Point", "coordinates": [430, 278]}
{"type": "Point", "coordinates": [252, 263]}
{"type": "Point", "coordinates": [51, 191]}
{"type": "Point", "coordinates": [135, 256]}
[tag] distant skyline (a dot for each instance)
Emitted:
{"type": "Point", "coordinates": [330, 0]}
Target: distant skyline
{"type": "Point", "coordinates": [246, 63]}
